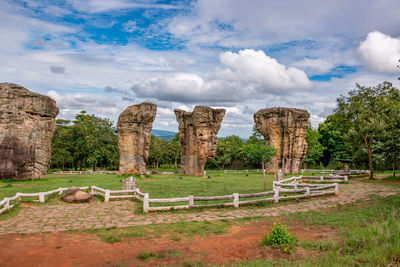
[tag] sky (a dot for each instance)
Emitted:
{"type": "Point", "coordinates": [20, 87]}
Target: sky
{"type": "Point", "coordinates": [104, 55]}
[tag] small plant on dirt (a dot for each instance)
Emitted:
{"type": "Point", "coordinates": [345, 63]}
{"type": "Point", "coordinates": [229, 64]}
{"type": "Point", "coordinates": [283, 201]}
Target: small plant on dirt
{"type": "Point", "coordinates": [280, 238]}
{"type": "Point", "coordinates": [146, 255]}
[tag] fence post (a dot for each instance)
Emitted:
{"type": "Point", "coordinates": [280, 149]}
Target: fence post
{"type": "Point", "coordinates": [19, 196]}
{"type": "Point", "coordinates": [276, 195]}
{"type": "Point", "coordinates": [91, 190]}
{"type": "Point", "coordinates": [41, 197]}
{"type": "Point", "coordinates": [107, 196]}
{"type": "Point", "coordinates": [307, 191]}
{"type": "Point", "coordinates": [295, 187]}
{"type": "Point", "coordinates": [346, 179]}
{"type": "Point", "coordinates": [322, 178]}
{"type": "Point", "coordinates": [236, 200]}
{"type": "Point", "coordinates": [146, 203]}
{"type": "Point", "coordinates": [336, 189]}
{"type": "Point", "coordinates": [273, 185]}
{"type": "Point", "coordinates": [7, 205]}
{"type": "Point", "coordinates": [191, 202]}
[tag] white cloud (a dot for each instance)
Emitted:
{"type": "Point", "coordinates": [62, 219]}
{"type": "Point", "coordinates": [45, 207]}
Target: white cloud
{"type": "Point", "coordinates": [129, 26]}
{"type": "Point", "coordinates": [315, 65]}
{"type": "Point", "coordinates": [246, 74]}
{"type": "Point", "coordinates": [256, 67]}
{"type": "Point", "coordinates": [238, 23]}
{"type": "Point", "coordinates": [95, 6]}
{"type": "Point", "coordinates": [380, 52]}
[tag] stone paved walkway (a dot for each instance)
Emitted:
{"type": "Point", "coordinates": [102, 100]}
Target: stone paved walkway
{"type": "Point", "coordinates": [51, 218]}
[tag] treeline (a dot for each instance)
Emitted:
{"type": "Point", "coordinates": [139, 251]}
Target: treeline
{"type": "Point", "coordinates": [363, 130]}
{"type": "Point", "coordinates": [86, 142]}
{"type": "Point", "coordinates": [92, 142]}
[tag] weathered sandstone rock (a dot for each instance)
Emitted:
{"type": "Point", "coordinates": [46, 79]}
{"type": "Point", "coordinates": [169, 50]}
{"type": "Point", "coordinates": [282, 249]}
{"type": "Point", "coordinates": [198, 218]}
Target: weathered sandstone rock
{"type": "Point", "coordinates": [75, 194]}
{"type": "Point", "coordinates": [285, 130]}
{"type": "Point", "coordinates": [27, 125]}
{"type": "Point", "coordinates": [134, 126]}
{"type": "Point", "coordinates": [198, 136]}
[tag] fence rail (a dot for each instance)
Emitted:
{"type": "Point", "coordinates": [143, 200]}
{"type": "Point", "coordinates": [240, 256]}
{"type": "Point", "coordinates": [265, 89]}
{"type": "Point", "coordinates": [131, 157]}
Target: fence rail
{"type": "Point", "coordinates": [86, 172]}
{"type": "Point", "coordinates": [296, 186]}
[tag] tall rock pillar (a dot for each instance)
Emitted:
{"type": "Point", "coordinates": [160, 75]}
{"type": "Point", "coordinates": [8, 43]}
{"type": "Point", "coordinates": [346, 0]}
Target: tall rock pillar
{"type": "Point", "coordinates": [134, 126]}
{"type": "Point", "coordinates": [198, 137]}
{"type": "Point", "coordinates": [27, 125]}
{"type": "Point", "coordinates": [285, 130]}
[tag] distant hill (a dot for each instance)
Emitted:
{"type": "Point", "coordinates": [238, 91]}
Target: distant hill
{"type": "Point", "coordinates": [163, 135]}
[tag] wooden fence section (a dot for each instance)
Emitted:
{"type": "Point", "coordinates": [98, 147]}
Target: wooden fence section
{"type": "Point", "coordinates": [86, 172]}
{"type": "Point", "coordinates": [291, 188]}
{"type": "Point", "coordinates": [338, 172]}
{"type": "Point", "coordinates": [6, 203]}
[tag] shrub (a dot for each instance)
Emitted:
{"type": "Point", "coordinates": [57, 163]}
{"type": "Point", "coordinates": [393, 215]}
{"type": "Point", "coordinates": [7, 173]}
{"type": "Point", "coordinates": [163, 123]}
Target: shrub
{"type": "Point", "coordinates": [280, 238]}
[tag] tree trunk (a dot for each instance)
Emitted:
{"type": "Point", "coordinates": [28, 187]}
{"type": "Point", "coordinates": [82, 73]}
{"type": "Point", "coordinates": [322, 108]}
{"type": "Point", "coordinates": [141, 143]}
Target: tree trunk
{"type": "Point", "coordinates": [94, 166]}
{"type": "Point", "coordinates": [263, 170]}
{"type": "Point", "coordinates": [76, 165]}
{"type": "Point", "coordinates": [394, 168]}
{"type": "Point", "coordinates": [371, 169]}
{"type": "Point", "coordinates": [176, 161]}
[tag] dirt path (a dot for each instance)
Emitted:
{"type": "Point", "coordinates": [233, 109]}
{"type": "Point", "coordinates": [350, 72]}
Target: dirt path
{"type": "Point", "coordinates": [66, 249]}
{"type": "Point", "coordinates": [56, 218]}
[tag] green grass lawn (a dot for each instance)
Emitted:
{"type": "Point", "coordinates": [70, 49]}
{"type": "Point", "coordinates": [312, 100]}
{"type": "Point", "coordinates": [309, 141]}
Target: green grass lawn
{"type": "Point", "coordinates": [158, 186]}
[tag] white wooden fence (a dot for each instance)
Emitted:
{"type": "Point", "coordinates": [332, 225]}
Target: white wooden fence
{"type": "Point", "coordinates": [86, 172]}
{"type": "Point", "coordinates": [295, 186]}
{"type": "Point", "coordinates": [8, 203]}
{"type": "Point", "coordinates": [338, 172]}
{"type": "Point", "coordinates": [291, 188]}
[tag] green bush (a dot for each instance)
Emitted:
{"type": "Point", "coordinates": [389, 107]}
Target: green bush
{"type": "Point", "coordinates": [280, 238]}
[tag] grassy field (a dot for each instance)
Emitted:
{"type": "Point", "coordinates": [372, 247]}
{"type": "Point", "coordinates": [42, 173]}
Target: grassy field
{"type": "Point", "coordinates": [158, 186]}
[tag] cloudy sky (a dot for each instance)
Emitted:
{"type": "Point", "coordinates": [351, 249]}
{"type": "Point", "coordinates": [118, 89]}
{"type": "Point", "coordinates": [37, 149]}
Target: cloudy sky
{"type": "Point", "coordinates": [104, 55]}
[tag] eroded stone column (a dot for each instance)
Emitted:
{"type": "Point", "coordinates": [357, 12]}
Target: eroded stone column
{"type": "Point", "coordinates": [285, 130]}
{"type": "Point", "coordinates": [198, 137]}
{"type": "Point", "coordinates": [134, 126]}
{"type": "Point", "coordinates": [27, 125]}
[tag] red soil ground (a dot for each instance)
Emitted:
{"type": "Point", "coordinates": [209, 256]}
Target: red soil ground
{"type": "Point", "coordinates": [70, 249]}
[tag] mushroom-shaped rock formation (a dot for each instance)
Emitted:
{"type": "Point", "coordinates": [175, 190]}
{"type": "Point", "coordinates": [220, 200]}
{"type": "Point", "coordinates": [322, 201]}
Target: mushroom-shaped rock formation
{"type": "Point", "coordinates": [285, 130]}
{"type": "Point", "coordinates": [198, 137]}
{"type": "Point", "coordinates": [27, 125]}
{"type": "Point", "coordinates": [134, 126]}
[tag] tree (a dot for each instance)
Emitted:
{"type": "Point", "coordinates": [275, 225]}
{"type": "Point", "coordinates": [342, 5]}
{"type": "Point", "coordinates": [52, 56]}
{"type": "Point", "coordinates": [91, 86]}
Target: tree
{"type": "Point", "coordinates": [88, 139]}
{"type": "Point", "coordinates": [229, 151]}
{"type": "Point", "coordinates": [388, 143]}
{"type": "Point", "coordinates": [257, 154]}
{"type": "Point", "coordinates": [331, 133]}
{"type": "Point", "coordinates": [176, 149]}
{"type": "Point", "coordinates": [363, 110]}
{"type": "Point", "coordinates": [315, 149]}
{"type": "Point", "coordinates": [60, 148]}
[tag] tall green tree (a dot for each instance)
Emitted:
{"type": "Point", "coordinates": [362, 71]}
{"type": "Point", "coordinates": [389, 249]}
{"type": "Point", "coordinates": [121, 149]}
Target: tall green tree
{"type": "Point", "coordinates": [229, 151]}
{"type": "Point", "coordinates": [60, 149]}
{"type": "Point", "coordinates": [88, 140]}
{"type": "Point", "coordinates": [332, 132]}
{"type": "Point", "coordinates": [315, 149]}
{"type": "Point", "coordinates": [258, 154]}
{"type": "Point", "coordinates": [363, 110]}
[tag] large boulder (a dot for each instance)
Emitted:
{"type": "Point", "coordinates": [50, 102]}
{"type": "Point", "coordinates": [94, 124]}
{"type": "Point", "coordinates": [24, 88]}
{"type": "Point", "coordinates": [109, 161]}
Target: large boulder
{"type": "Point", "coordinates": [285, 130]}
{"type": "Point", "coordinates": [134, 126]}
{"type": "Point", "coordinates": [74, 194]}
{"type": "Point", "coordinates": [198, 137]}
{"type": "Point", "coordinates": [27, 125]}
